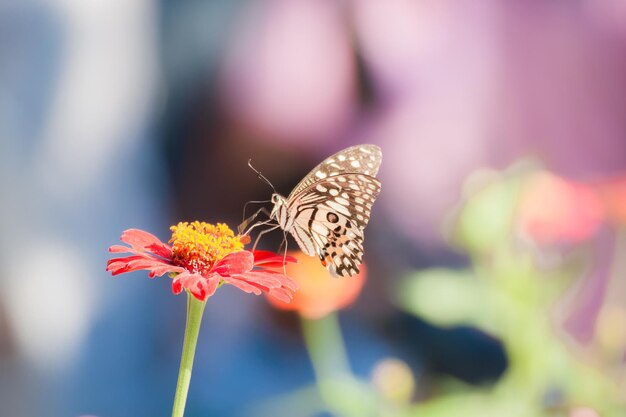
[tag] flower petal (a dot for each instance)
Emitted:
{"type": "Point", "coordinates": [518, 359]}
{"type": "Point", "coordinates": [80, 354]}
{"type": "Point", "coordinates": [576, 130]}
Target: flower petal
{"type": "Point", "coordinates": [234, 263]}
{"type": "Point", "coordinates": [281, 294]}
{"type": "Point", "coordinates": [246, 286]}
{"type": "Point", "coordinates": [141, 240]}
{"type": "Point", "coordinates": [199, 286]}
{"type": "Point", "coordinates": [165, 269]}
{"type": "Point", "coordinates": [269, 259]}
{"type": "Point", "coordinates": [119, 249]}
{"type": "Point", "coordinates": [156, 266]}
{"type": "Point", "coordinates": [271, 279]}
{"type": "Point", "coordinates": [262, 281]}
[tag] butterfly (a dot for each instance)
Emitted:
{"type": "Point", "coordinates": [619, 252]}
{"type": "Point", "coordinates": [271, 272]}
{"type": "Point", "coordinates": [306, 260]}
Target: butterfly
{"type": "Point", "coordinates": [328, 210]}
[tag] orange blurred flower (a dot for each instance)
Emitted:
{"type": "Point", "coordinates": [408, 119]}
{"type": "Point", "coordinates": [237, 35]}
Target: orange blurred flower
{"type": "Point", "coordinates": [613, 195]}
{"type": "Point", "coordinates": [553, 209]}
{"type": "Point", "coordinates": [318, 292]}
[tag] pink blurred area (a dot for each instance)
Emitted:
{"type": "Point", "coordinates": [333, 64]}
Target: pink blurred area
{"type": "Point", "coordinates": [289, 71]}
{"type": "Point", "coordinates": [443, 87]}
{"type": "Point", "coordinates": [483, 84]}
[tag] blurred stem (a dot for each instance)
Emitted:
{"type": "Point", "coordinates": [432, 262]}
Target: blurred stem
{"type": "Point", "coordinates": [337, 388]}
{"type": "Point", "coordinates": [195, 308]}
{"type": "Point", "coordinates": [325, 345]}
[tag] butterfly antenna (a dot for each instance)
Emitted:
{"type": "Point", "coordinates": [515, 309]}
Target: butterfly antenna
{"type": "Point", "coordinates": [260, 176]}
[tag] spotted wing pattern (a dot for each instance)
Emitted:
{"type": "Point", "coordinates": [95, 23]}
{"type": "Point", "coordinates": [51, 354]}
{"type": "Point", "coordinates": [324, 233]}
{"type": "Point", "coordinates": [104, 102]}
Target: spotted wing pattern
{"type": "Point", "coordinates": [359, 159]}
{"type": "Point", "coordinates": [330, 216]}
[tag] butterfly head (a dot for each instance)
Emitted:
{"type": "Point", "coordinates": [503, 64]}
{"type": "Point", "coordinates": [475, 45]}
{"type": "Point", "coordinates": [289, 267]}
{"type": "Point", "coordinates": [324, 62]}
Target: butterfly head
{"type": "Point", "coordinates": [279, 210]}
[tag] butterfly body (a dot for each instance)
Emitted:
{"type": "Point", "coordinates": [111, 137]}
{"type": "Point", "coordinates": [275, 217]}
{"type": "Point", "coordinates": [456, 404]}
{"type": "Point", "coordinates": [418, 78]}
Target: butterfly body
{"type": "Point", "coordinates": [328, 210]}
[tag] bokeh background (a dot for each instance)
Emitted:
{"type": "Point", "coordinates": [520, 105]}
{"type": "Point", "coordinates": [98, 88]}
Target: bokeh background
{"type": "Point", "coordinates": [495, 254]}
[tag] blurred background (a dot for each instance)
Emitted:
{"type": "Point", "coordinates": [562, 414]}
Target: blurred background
{"type": "Point", "coordinates": [495, 253]}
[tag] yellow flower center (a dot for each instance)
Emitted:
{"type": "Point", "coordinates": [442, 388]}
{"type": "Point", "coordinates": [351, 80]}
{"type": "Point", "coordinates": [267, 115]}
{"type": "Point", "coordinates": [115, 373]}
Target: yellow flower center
{"type": "Point", "coordinates": [197, 246]}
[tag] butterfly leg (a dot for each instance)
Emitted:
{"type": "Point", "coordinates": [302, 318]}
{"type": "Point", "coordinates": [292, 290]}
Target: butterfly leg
{"type": "Point", "coordinates": [268, 222]}
{"type": "Point", "coordinates": [245, 207]}
{"type": "Point", "coordinates": [286, 243]}
{"type": "Point", "coordinates": [262, 233]}
{"type": "Point", "coordinates": [246, 222]}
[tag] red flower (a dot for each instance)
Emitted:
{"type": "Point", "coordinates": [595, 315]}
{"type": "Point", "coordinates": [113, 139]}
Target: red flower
{"type": "Point", "coordinates": [202, 258]}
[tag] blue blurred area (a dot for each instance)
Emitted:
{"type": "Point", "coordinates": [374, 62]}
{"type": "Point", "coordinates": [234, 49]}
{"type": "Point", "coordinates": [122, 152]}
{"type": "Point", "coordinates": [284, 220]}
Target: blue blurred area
{"type": "Point", "coordinates": [117, 115]}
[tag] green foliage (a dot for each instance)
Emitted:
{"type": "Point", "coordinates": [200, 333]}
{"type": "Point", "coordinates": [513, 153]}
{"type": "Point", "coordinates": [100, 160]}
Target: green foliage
{"type": "Point", "coordinates": [506, 293]}
{"type": "Point", "coordinates": [446, 297]}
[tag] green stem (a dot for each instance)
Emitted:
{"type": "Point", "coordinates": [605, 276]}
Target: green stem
{"type": "Point", "coordinates": [338, 388]}
{"type": "Point", "coordinates": [325, 345]}
{"type": "Point", "coordinates": [195, 308]}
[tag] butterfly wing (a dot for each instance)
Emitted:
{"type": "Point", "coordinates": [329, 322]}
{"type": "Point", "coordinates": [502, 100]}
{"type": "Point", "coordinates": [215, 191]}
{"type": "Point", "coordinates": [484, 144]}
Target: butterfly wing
{"type": "Point", "coordinates": [361, 159]}
{"type": "Point", "coordinates": [330, 216]}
